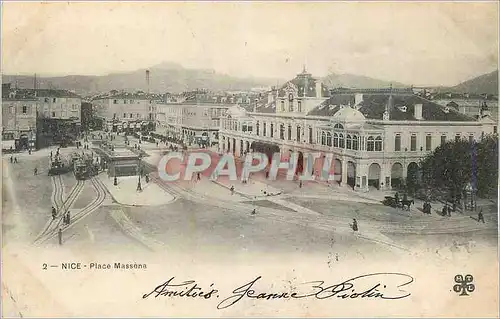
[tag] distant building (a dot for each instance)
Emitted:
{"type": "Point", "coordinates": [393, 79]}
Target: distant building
{"type": "Point", "coordinates": [40, 117]}
{"type": "Point", "coordinates": [122, 110]}
{"type": "Point", "coordinates": [193, 117]}
{"type": "Point", "coordinates": [19, 118]}
{"type": "Point", "coordinates": [377, 137]}
{"type": "Point", "coordinates": [469, 104]}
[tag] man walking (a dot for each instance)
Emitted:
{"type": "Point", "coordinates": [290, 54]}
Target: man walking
{"type": "Point", "coordinates": [480, 217]}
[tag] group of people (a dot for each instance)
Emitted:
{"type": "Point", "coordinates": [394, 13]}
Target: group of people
{"type": "Point", "coordinates": [66, 217]}
{"type": "Point", "coordinates": [13, 159]}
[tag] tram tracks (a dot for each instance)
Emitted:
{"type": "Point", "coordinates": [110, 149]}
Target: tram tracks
{"type": "Point", "coordinates": [87, 210]}
{"type": "Point", "coordinates": [61, 206]}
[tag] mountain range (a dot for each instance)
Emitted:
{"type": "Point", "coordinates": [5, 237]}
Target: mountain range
{"type": "Point", "coordinates": [174, 78]}
{"type": "Point", "coordinates": [486, 83]}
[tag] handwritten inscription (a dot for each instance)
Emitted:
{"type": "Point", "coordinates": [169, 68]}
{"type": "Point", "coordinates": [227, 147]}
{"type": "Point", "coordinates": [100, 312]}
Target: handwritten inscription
{"type": "Point", "coordinates": [387, 286]}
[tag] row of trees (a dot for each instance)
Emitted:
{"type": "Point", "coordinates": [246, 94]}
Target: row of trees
{"type": "Point", "coordinates": [456, 164]}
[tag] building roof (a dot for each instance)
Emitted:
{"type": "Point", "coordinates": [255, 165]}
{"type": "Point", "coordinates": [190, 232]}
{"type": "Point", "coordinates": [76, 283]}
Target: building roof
{"type": "Point", "coordinates": [32, 93]}
{"type": "Point", "coordinates": [128, 96]}
{"type": "Point", "coordinates": [305, 86]}
{"type": "Point", "coordinates": [401, 107]}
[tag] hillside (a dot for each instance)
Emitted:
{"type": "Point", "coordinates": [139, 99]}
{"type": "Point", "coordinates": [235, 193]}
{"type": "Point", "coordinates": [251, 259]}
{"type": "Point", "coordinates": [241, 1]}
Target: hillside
{"type": "Point", "coordinates": [358, 81]}
{"type": "Point", "coordinates": [486, 83]}
{"type": "Point", "coordinates": [166, 77]}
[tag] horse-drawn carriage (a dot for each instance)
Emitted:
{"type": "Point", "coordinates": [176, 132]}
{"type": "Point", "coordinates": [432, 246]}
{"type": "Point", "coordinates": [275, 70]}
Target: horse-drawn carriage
{"type": "Point", "coordinates": [395, 202]}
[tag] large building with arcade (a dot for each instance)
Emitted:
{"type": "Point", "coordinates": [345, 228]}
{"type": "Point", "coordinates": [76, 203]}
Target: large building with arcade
{"type": "Point", "coordinates": [377, 136]}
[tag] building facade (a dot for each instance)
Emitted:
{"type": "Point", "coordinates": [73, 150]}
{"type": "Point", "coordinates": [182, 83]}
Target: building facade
{"type": "Point", "coordinates": [194, 117]}
{"type": "Point", "coordinates": [19, 118]}
{"type": "Point", "coordinates": [121, 110]}
{"type": "Point", "coordinates": [34, 118]}
{"type": "Point", "coordinates": [377, 137]}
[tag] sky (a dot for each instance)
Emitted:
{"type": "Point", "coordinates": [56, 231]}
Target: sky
{"type": "Point", "coordinates": [425, 43]}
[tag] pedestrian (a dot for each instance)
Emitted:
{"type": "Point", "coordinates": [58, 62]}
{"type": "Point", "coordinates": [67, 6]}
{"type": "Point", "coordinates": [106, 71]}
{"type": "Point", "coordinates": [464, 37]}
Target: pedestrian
{"type": "Point", "coordinates": [300, 184]}
{"type": "Point", "coordinates": [11, 159]}
{"type": "Point", "coordinates": [54, 213]}
{"type": "Point", "coordinates": [29, 151]}
{"type": "Point", "coordinates": [448, 210]}
{"type": "Point", "coordinates": [444, 211]}
{"type": "Point", "coordinates": [59, 233]}
{"type": "Point", "coordinates": [35, 171]}
{"type": "Point", "coordinates": [50, 154]}
{"type": "Point", "coordinates": [396, 197]}
{"type": "Point", "coordinates": [480, 217]}
{"type": "Point", "coordinates": [15, 159]}
{"type": "Point", "coordinates": [354, 225]}
{"type": "Point", "coordinates": [198, 176]}
{"type": "Point", "coordinates": [232, 190]}
{"type": "Point", "coordinates": [253, 212]}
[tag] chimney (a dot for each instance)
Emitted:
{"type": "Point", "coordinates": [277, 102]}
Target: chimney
{"type": "Point", "coordinates": [319, 87]}
{"type": "Point", "coordinates": [147, 80]}
{"type": "Point", "coordinates": [358, 98]}
{"type": "Point", "coordinates": [418, 111]}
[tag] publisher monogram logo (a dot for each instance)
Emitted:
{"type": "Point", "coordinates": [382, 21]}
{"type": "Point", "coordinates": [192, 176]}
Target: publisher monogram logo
{"type": "Point", "coordinates": [463, 285]}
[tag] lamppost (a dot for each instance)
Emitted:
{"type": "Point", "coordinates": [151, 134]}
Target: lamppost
{"type": "Point", "coordinates": [139, 187]}
{"type": "Point", "coordinates": [470, 199]}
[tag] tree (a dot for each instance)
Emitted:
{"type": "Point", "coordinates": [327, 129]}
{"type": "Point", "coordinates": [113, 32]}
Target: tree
{"type": "Point", "coordinates": [455, 164]}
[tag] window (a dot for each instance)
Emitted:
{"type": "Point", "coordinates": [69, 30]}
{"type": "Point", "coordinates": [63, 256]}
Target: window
{"type": "Point", "coordinates": [258, 126]}
{"type": "Point", "coordinates": [124, 115]}
{"type": "Point", "coordinates": [283, 106]}
{"type": "Point", "coordinates": [495, 129]}
{"type": "Point", "coordinates": [341, 140]}
{"type": "Point", "coordinates": [289, 132]}
{"type": "Point", "coordinates": [263, 129]}
{"type": "Point", "coordinates": [12, 110]}
{"type": "Point", "coordinates": [323, 138]}
{"type": "Point", "coordinates": [349, 142]}
{"type": "Point", "coordinates": [115, 101]}
{"type": "Point", "coordinates": [25, 109]}
{"type": "Point", "coordinates": [114, 115]}
{"type": "Point", "coordinates": [457, 137]}
{"type": "Point", "coordinates": [378, 144]}
{"type": "Point", "coordinates": [329, 138]}
{"type": "Point", "coordinates": [471, 138]}
{"type": "Point", "coordinates": [54, 100]}
{"type": "Point", "coordinates": [355, 142]}
{"type": "Point", "coordinates": [290, 106]}
{"type": "Point", "coordinates": [298, 134]}
{"type": "Point", "coordinates": [130, 115]}
{"type": "Point", "coordinates": [138, 115]}
{"type": "Point", "coordinates": [428, 142]}
{"type": "Point", "coordinates": [413, 143]}
{"type": "Point", "coordinates": [310, 135]}
{"type": "Point", "coordinates": [370, 144]}
{"type": "Point", "coordinates": [339, 126]}
{"type": "Point", "coordinates": [335, 140]}
{"type": "Point", "coordinates": [443, 139]}
{"type": "Point", "coordinates": [272, 130]}
{"type": "Point", "coordinates": [282, 131]}
{"type": "Point", "coordinates": [397, 143]}
{"type": "Point", "coordinates": [46, 100]}
{"type": "Point", "coordinates": [299, 106]}
{"type": "Point", "coordinates": [53, 114]}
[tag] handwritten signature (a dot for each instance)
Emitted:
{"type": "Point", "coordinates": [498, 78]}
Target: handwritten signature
{"type": "Point", "coordinates": [386, 286]}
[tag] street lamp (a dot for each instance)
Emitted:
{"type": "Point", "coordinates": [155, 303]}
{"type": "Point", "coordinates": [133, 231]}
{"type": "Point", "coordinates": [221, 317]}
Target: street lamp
{"type": "Point", "coordinates": [470, 192]}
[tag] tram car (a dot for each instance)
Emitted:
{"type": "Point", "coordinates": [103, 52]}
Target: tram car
{"type": "Point", "coordinates": [58, 167]}
{"type": "Point", "coordinates": [84, 168]}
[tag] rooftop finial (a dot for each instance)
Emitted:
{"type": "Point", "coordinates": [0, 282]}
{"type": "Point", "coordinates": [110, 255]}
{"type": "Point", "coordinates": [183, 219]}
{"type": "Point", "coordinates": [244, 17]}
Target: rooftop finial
{"type": "Point", "coordinates": [304, 68]}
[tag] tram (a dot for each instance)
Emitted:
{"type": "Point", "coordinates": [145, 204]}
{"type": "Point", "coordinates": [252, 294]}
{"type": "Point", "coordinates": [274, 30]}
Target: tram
{"type": "Point", "coordinates": [84, 167]}
{"type": "Point", "coordinates": [57, 167]}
